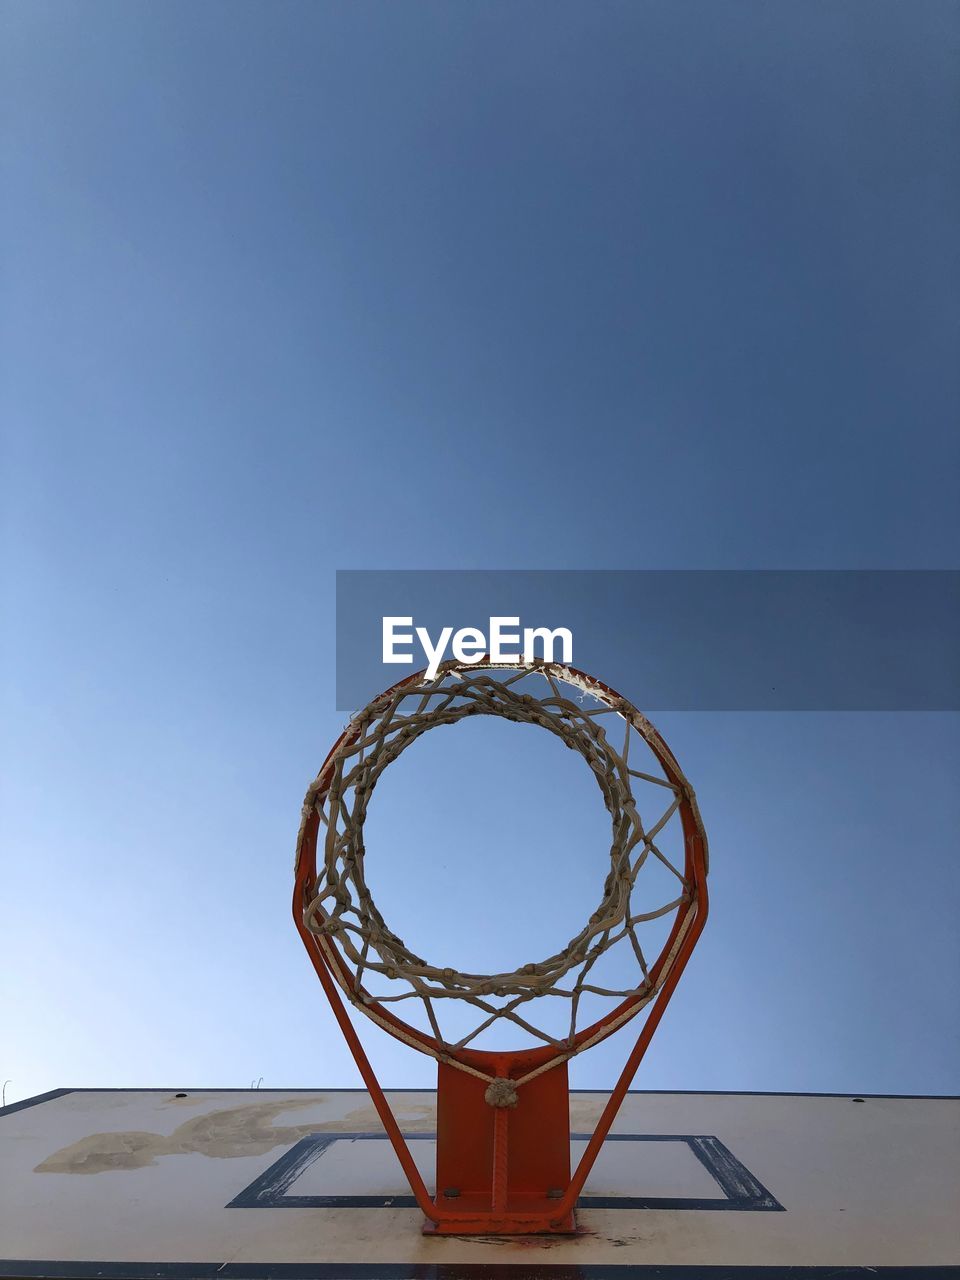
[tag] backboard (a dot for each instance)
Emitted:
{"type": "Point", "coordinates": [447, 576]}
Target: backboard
{"type": "Point", "coordinates": [303, 1183]}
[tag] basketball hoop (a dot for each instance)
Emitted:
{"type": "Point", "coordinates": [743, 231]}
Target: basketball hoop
{"type": "Point", "coordinates": [503, 1163]}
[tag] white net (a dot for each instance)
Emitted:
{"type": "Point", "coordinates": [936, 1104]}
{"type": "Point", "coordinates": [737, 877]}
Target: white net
{"type": "Point", "coordinates": [609, 733]}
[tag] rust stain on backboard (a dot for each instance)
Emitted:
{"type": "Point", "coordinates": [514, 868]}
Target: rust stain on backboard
{"type": "Point", "coordinates": [234, 1131]}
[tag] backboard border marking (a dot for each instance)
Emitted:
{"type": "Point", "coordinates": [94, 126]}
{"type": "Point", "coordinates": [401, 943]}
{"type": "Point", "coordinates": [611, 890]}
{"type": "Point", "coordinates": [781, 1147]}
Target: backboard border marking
{"type": "Point", "coordinates": [35, 1101]}
{"type": "Point", "coordinates": [31, 1269]}
{"type": "Point", "coordinates": [742, 1192]}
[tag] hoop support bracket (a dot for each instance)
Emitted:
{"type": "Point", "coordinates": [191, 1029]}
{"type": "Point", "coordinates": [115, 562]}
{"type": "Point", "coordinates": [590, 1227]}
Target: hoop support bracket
{"type": "Point", "coordinates": [503, 1119]}
{"type": "Point", "coordinates": [501, 1170]}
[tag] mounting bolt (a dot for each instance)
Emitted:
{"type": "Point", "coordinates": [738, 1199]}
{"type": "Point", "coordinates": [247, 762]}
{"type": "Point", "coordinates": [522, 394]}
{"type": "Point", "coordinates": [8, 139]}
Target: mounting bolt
{"type": "Point", "coordinates": [450, 1193]}
{"type": "Point", "coordinates": [555, 1193]}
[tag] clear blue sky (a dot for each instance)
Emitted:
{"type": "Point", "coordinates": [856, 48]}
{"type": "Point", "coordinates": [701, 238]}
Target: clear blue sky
{"type": "Point", "coordinates": [297, 287]}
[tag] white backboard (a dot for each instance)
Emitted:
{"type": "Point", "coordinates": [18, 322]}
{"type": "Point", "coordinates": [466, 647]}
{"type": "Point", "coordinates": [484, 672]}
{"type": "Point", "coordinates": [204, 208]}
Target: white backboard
{"type": "Point", "coordinates": [288, 1184]}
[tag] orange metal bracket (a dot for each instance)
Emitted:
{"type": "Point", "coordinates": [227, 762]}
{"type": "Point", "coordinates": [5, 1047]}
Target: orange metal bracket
{"type": "Point", "coordinates": [501, 1170]}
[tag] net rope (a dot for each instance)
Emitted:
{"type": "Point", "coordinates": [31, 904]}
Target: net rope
{"type": "Point", "coordinates": [340, 910]}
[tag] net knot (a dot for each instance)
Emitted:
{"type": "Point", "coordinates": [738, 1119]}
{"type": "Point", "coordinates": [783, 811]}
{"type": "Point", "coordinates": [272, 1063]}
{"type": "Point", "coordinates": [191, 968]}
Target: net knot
{"type": "Point", "coordinates": [501, 1093]}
